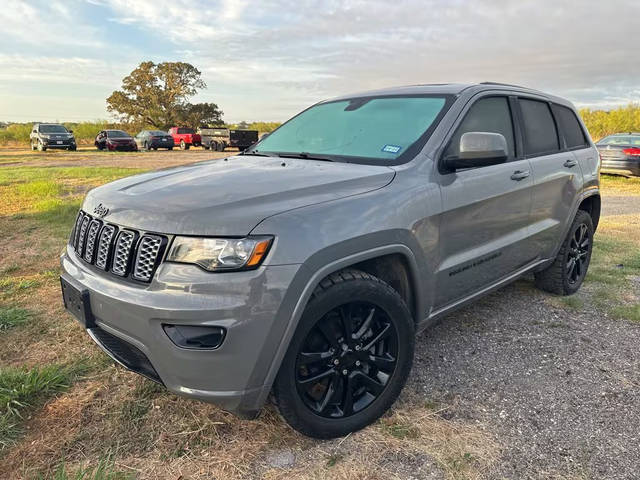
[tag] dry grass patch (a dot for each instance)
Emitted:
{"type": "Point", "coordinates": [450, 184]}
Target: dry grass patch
{"type": "Point", "coordinates": [153, 434]}
{"type": "Point", "coordinates": [617, 185]}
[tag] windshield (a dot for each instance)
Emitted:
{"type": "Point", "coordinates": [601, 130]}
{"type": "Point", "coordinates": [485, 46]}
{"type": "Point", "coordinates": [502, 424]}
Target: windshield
{"type": "Point", "coordinates": [117, 134]}
{"type": "Point", "coordinates": [53, 129]}
{"type": "Point", "coordinates": [364, 130]}
{"type": "Point", "coordinates": [620, 140]}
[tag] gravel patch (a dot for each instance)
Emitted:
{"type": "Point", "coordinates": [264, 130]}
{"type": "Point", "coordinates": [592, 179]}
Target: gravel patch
{"type": "Point", "coordinates": [559, 390]}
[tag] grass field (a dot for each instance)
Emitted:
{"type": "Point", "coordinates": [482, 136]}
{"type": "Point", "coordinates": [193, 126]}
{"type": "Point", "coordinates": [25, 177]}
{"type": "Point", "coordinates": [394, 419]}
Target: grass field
{"type": "Point", "coordinates": [67, 412]}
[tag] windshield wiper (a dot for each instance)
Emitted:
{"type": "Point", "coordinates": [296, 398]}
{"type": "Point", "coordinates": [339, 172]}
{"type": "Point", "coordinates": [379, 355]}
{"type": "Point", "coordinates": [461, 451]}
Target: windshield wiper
{"type": "Point", "coordinates": [259, 154]}
{"type": "Point", "coordinates": [305, 155]}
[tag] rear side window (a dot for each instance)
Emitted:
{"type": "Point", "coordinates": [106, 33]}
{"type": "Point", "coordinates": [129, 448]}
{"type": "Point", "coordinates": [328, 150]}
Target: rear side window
{"type": "Point", "coordinates": [540, 135]}
{"type": "Point", "coordinates": [570, 127]}
{"type": "Point", "coordinates": [490, 114]}
{"type": "Point", "coordinates": [185, 130]}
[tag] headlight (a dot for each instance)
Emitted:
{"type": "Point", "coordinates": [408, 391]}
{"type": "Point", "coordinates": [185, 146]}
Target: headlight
{"type": "Point", "coordinates": [217, 254]}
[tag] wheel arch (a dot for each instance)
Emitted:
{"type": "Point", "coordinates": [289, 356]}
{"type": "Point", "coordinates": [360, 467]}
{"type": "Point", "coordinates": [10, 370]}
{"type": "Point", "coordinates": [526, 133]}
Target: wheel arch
{"type": "Point", "coordinates": [592, 205]}
{"type": "Point", "coordinates": [404, 266]}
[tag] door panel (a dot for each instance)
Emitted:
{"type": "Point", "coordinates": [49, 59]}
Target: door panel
{"type": "Point", "coordinates": [557, 179]}
{"type": "Point", "coordinates": [484, 233]}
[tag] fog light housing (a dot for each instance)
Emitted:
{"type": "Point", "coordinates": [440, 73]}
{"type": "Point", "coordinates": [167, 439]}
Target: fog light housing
{"type": "Point", "coordinates": [195, 337]}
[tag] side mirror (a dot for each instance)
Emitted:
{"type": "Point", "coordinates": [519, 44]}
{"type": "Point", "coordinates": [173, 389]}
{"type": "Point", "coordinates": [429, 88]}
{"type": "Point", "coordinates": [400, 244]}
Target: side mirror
{"type": "Point", "coordinates": [479, 149]}
{"type": "Point", "coordinates": [70, 131]}
{"type": "Point", "coordinates": [34, 131]}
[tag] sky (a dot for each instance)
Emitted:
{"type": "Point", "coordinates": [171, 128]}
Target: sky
{"type": "Point", "coordinates": [268, 59]}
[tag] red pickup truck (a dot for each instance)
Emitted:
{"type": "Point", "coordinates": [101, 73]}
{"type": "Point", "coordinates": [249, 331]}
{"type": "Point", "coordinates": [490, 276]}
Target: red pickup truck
{"type": "Point", "coordinates": [185, 137]}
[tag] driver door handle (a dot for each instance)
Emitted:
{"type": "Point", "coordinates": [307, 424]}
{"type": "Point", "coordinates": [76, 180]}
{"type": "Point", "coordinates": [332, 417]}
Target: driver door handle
{"type": "Point", "coordinates": [520, 175]}
{"type": "Point", "coordinates": [570, 163]}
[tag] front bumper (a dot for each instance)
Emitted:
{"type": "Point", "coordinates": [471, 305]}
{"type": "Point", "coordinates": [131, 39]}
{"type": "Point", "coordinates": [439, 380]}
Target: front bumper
{"type": "Point", "coordinates": [122, 148]}
{"type": "Point", "coordinates": [249, 305]}
{"type": "Point", "coordinates": [56, 144]}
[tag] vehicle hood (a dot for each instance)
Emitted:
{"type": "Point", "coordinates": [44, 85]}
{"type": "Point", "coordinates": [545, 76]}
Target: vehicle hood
{"type": "Point", "coordinates": [229, 196]}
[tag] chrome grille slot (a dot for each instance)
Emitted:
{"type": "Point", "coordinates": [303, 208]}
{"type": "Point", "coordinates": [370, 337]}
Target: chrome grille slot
{"type": "Point", "coordinates": [76, 230]}
{"type": "Point", "coordinates": [92, 235]}
{"type": "Point", "coordinates": [146, 257]}
{"type": "Point", "coordinates": [122, 254]}
{"type": "Point", "coordinates": [83, 234]}
{"type": "Point", "coordinates": [104, 246]}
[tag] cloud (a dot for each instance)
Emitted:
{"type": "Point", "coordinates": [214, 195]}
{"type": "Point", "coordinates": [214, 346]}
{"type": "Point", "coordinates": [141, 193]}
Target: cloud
{"type": "Point", "coordinates": [269, 59]}
{"type": "Point", "coordinates": [334, 47]}
{"type": "Point", "coordinates": [45, 24]}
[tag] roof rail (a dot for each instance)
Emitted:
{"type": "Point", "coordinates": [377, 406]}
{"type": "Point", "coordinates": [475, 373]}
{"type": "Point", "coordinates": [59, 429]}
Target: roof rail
{"type": "Point", "coordinates": [506, 85]}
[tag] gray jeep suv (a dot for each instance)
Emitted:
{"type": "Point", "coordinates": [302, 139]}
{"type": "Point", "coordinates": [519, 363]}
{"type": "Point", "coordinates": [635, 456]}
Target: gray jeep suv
{"type": "Point", "coordinates": [304, 267]}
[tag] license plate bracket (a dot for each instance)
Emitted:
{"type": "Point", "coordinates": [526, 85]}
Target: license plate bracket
{"type": "Point", "coordinates": [77, 303]}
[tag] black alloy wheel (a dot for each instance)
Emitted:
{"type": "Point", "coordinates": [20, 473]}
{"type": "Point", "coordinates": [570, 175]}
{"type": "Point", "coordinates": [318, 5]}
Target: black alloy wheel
{"type": "Point", "coordinates": [349, 357]}
{"type": "Point", "coordinates": [579, 248]}
{"type": "Point", "coordinates": [346, 360]}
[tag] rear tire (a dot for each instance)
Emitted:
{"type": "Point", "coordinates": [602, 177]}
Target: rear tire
{"type": "Point", "coordinates": [357, 335]}
{"type": "Point", "coordinates": [183, 146]}
{"type": "Point", "coordinates": [567, 272]}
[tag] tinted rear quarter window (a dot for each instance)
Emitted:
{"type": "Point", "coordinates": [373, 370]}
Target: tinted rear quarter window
{"type": "Point", "coordinates": [540, 135]}
{"type": "Point", "coordinates": [570, 127]}
{"type": "Point", "coordinates": [490, 114]}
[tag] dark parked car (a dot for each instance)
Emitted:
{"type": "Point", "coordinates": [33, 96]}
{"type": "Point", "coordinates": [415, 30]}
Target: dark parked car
{"type": "Point", "coordinates": [51, 135]}
{"type": "Point", "coordinates": [115, 140]}
{"type": "Point", "coordinates": [154, 139]}
{"type": "Point", "coordinates": [620, 154]}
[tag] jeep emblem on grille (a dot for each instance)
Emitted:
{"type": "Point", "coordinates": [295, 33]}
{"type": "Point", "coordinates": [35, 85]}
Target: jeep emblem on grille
{"type": "Point", "coordinates": [101, 210]}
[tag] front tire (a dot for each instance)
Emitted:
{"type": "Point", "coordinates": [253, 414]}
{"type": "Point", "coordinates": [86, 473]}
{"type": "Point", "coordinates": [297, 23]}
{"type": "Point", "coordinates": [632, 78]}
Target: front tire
{"type": "Point", "coordinates": [567, 272]}
{"type": "Point", "coordinates": [349, 357]}
{"type": "Point", "coordinates": [41, 147]}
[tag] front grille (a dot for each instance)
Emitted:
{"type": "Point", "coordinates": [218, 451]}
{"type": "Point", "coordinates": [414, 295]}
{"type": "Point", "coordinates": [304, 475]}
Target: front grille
{"type": "Point", "coordinates": [125, 353]}
{"type": "Point", "coordinates": [123, 252]}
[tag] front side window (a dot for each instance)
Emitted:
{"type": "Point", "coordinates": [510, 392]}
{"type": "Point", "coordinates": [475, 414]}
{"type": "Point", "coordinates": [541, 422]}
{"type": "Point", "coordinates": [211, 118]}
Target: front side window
{"type": "Point", "coordinates": [540, 135]}
{"type": "Point", "coordinates": [490, 114]}
{"type": "Point", "coordinates": [364, 130]}
{"type": "Point", "coordinates": [570, 127]}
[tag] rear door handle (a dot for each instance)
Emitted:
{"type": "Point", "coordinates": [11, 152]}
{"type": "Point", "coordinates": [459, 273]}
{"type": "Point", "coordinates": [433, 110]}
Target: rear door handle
{"type": "Point", "coordinates": [570, 163]}
{"type": "Point", "coordinates": [520, 175]}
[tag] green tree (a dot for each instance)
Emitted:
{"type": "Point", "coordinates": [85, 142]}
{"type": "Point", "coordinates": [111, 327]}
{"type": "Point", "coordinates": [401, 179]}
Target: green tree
{"type": "Point", "coordinates": [157, 95]}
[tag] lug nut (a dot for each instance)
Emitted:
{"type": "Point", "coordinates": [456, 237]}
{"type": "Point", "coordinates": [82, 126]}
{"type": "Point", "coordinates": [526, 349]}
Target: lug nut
{"type": "Point", "coordinates": [358, 347]}
{"type": "Point", "coordinates": [336, 361]}
{"type": "Point", "coordinates": [357, 363]}
{"type": "Point", "coordinates": [345, 371]}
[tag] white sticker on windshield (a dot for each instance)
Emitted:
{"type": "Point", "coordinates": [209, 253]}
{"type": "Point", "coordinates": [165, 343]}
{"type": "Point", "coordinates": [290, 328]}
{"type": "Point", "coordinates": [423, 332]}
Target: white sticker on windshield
{"type": "Point", "coordinates": [391, 148]}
